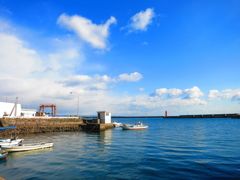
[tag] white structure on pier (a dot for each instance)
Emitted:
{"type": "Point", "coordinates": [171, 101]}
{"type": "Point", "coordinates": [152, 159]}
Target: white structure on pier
{"type": "Point", "coordinates": [28, 112]}
{"type": "Point", "coordinates": [104, 116]}
{"type": "Point", "coordinates": [15, 110]}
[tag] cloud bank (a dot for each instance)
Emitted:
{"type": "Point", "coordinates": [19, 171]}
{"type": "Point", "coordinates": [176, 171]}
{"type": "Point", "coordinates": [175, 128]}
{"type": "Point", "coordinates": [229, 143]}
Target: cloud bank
{"type": "Point", "coordinates": [49, 77]}
{"type": "Point", "coordinates": [191, 93]}
{"type": "Point", "coordinates": [234, 95]}
{"type": "Point", "coordinates": [84, 79]}
{"type": "Point", "coordinates": [14, 55]}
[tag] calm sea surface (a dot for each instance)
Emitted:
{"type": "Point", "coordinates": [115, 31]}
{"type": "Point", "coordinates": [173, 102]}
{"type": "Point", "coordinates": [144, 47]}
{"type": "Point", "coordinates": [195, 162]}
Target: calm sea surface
{"type": "Point", "coordinates": [168, 149]}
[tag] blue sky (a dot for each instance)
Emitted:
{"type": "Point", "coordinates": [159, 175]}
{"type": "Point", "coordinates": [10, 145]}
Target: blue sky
{"type": "Point", "coordinates": [129, 58]}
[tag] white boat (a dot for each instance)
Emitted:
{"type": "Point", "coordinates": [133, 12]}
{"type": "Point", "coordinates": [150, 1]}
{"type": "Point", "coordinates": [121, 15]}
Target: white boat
{"type": "Point", "coordinates": [27, 147]}
{"type": "Point", "coordinates": [138, 125]}
{"type": "Point", "coordinates": [3, 155]}
{"type": "Point", "coordinates": [14, 141]}
{"type": "Point", "coordinates": [116, 124]}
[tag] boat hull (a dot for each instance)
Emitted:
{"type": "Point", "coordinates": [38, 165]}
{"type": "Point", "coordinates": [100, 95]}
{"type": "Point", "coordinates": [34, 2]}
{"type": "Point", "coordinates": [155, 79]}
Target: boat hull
{"type": "Point", "coordinates": [115, 124]}
{"type": "Point", "coordinates": [27, 147]}
{"type": "Point", "coordinates": [3, 155]}
{"type": "Point", "coordinates": [124, 127]}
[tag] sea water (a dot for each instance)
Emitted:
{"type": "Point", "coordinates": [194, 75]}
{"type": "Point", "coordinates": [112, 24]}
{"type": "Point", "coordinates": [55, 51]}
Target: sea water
{"type": "Point", "coordinates": [169, 149]}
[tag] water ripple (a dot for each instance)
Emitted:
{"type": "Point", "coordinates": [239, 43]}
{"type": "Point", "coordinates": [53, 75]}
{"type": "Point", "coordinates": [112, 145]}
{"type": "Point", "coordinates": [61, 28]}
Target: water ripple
{"type": "Point", "coordinates": [169, 149]}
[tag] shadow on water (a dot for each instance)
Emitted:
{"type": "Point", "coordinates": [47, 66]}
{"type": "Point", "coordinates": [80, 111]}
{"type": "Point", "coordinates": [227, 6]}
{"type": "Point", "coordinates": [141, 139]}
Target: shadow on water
{"type": "Point", "coordinates": [14, 155]}
{"type": "Point", "coordinates": [2, 161]}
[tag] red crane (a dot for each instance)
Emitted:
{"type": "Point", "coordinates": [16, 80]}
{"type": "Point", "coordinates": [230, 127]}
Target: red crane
{"type": "Point", "coordinates": [53, 106]}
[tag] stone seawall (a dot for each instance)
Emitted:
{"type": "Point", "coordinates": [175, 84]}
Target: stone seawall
{"type": "Point", "coordinates": [40, 125]}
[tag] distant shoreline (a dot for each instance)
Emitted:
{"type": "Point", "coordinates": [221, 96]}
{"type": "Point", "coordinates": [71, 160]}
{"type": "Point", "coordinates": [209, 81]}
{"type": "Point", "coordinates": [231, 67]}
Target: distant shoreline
{"type": "Point", "coordinates": [137, 116]}
{"type": "Point", "coordinates": [235, 115]}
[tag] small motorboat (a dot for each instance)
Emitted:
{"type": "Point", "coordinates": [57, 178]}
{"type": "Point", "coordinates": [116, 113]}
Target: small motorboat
{"type": "Point", "coordinates": [138, 125]}
{"type": "Point", "coordinates": [26, 147]}
{"type": "Point", "coordinates": [12, 141]}
{"type": "Point", "coordinates": [116, 124]}
{"type": "Point", "coordinates": [3, 155]}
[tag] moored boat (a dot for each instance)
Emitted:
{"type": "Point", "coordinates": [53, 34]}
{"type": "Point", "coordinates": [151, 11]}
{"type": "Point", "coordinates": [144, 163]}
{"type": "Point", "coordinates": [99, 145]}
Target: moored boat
{"type": "Point", "coordinates": [14, 141]}
{"type": "Point", "coordinates": [116, 124]}
{"type": "Point", "coordinates": [138, 125]}
{"type": "Point", "coordinates": [3, 155]}
{"type": "Point", "coordinates": [27, 147]}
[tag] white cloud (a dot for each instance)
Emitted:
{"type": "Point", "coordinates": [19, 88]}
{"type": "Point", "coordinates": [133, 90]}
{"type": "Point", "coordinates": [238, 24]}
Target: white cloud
{"type": "Point", "coordinates": [18, 61]}
{"type": "Point", "coordinates": [159, 92]}
{"type": "Point", "coordinates": [179, 102]}
{"type": "Point", "coordinates": [227, 90]}
{"type": "Point", "coordinates": [191, 93]}
{"type": "Point", "coordinates": [15, 58]}
{"type": "Point", "coordinates": [194, 92]}
{"type": "Point", "coordinates": [156, 104]}
{"type": "Point", "coordinates": [141, 20]}
{"type": "Point", "coordinates": [236, 96]}
{"type": "Point", "coordinates": [130, 77]}
{"type": "Point", "coordinates": [174, 92]}
{"type": "Point", "coordinates": [98, 86]}
{"type": "Point", "coordinates": [141, 89]}
{"type": "Point", "coordinates": [83, 79]}
{"type": "Point", "coordinates": [67, 57]}
{"type": "Point", "coordinates": [225, 94]}
{"type": "Point", "coordinates": [175, 98]}
{"type": "Point", "coordinates": [213, 95]}
{"type": "Point", "coordinates": [169, 92]}
{"type": "Point", "coordinates": [92, 33]}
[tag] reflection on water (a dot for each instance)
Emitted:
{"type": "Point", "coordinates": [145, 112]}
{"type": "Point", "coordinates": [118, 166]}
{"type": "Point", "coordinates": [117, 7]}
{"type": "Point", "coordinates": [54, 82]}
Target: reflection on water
{"type": "Point", "coordinates": [3, 161]}
{"type": "Point", "coordinates": [105, 137]}
{"type": "Point", "coordinates": [99, 141]}
{"type": "Point", "coordinates": [13, 155]}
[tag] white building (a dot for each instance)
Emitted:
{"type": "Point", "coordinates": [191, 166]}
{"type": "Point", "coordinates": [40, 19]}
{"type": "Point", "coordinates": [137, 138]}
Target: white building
{"type": "Point", "coordinates": [104, 116]}
{"type": "Point", "coordinates": [9, 109]}
{"type": "Point", "coordinates": [28, 112]}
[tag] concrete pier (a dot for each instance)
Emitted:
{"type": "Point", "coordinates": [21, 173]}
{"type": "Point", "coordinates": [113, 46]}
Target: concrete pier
{"type": "Point", "coordinates": [42, 125]}
{"type": "Point", "coordinates": [96, 127]}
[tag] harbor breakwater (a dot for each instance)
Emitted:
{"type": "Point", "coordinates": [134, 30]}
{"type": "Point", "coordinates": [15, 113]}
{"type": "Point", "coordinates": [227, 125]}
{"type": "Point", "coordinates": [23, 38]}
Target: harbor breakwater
{"type": "Point", "coordinates": [235, 116]}
{"type": "Point", "coordinates": [42, 125]}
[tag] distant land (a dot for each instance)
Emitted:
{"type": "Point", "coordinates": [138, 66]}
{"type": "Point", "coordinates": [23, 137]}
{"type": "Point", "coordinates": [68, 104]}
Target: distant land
{"type": "Point", "coordinates": [235, 115]}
